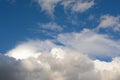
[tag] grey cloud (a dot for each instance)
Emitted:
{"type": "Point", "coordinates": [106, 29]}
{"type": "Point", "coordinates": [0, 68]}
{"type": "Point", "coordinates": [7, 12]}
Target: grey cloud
{"type": "Point", "coordinates": [46, 67]}
{"type": "Point", "coordinates": [54, 62]}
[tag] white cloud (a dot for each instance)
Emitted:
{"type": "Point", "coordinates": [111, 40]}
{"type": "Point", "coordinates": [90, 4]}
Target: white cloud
{"type": "Point", "coordinates": [91, 43]}
{"type": "Point", "coordinates": [108, 21]}
{"type": "Point", "coordinates": [74, 5]}
{"type": "Point", "coordinates": [30, 49]}
{"type": "Point", "coordinates": [48, 6]}
{"type": "Point", "coordinates": [87, 42]}
{"type": "Point", "coordinates": [78, 5]}
{"type": "Point", "coordinates": [51, 26]}
{"type": "Point", "coordinates": [49, 29]}
{"type": "Point", "coordinates": [108, 70]}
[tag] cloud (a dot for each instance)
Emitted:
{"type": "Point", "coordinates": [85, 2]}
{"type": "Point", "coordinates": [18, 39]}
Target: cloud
{"type": "Point", "coordinates": [46, 60]}
{"type": "Point", "coordinates": [72, 66]}
{"type": "Point", "coordinates": [51, 26]}
{"type": "Point", "coordinates": [48, 6]}
{"type": "Point", "coordinates": [74, 5]}
{"type": "Point", "coordinates": [87, 41]}
{"type": "Point", "coordinates": [48, 67]}
{"type": "Point", "coordinates": [30, 49]}
{"type": "Point", "coordinates": [78, 5]}
{"type": "Point", "coordinates": [91, 17]}
{"type": "Point", "coordinates": [50, 29]}
{"type": "Point", "coordinates": [109, 22]}
{"type": "Point", "coordinates": [90, 43]}
{"type": "Point", "coordinates": [11, 1]}
{"type": "Point", "coordinates": [108, 70]}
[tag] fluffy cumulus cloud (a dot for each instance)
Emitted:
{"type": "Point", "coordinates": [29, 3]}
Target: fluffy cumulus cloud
{"type": "Point", "coordinates": [109, 22]}
{"type": "Point", "coordinates": [48, 66]}
{"type": "Point", "coordinates": [58, 63]}
{"type": "Point", "coordinates": [45, 60]}
{"type": "Point", "coordinates": [108, 70]}
{"type": "Point", "coordinates": [31, 49]}
{"type": "Point", "coordinates": [74, 5]}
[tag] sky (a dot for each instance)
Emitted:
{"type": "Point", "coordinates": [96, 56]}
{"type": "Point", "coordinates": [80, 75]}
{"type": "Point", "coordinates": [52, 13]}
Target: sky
{"type": "Point", "coordinates": [60, 39]}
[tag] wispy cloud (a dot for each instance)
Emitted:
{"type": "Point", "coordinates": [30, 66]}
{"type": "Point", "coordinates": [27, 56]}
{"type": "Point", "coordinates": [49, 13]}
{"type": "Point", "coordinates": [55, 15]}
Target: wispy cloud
{"type": "Point", "coordinates": [48, 6]}
{"type": "Point", "coordinates": [109, 22]}
{"type": "Point", "coordinates": [51, 26]}
{"type": "Point", "coordinates": [91, 43]}
{"type": "Point", "coordinates": [78, 5]}
{"type": "Point", "coordinates": [50, 29]}
{"type": "Point", "coordinates": [73, 5]}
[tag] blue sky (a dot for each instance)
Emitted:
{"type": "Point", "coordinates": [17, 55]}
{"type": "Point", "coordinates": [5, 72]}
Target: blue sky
{"type": "Point", "coordinates": [63, 39]}
{"type": "Point", "coordinates": [19, 19]}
